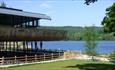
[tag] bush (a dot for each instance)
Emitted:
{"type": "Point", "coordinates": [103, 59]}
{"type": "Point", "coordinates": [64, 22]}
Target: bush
{"type": "Point", "coordinates": [112, 55]}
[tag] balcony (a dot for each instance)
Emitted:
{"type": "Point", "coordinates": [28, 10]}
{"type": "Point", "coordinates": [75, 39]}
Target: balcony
{"type": "Point", "coordinates": [30, 34]}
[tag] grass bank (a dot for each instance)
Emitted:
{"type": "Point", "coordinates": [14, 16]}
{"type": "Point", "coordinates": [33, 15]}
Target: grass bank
{"type": "Point", "coordinates": [67, 65]}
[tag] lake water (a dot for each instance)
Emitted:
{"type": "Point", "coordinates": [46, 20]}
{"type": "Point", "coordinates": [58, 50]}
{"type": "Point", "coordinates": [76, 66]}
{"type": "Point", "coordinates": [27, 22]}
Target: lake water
{"type": "Point", "coordinates": [102, 46]}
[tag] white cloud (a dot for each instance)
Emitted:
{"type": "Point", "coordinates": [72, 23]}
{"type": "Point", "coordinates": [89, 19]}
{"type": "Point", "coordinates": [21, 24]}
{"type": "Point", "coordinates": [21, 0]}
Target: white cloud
{"type": "Point", "coordinates": [45, 5]}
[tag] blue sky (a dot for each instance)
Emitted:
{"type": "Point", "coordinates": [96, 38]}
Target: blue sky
{"type": "Point", "coordinates": [64, 12]}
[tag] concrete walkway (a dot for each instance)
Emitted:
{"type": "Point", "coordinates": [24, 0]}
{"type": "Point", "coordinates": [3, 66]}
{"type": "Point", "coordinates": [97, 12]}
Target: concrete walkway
{"type": "Point", "coordinates": [11, 65]}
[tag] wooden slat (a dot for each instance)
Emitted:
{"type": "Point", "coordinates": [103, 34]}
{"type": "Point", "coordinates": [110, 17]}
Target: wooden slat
{"type": "Point", "coordinates": [30, 34]}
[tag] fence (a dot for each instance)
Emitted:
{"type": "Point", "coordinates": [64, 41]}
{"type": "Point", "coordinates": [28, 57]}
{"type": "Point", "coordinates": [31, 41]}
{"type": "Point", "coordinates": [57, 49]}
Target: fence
{"type": "Point", "coordinates": [27, 59]}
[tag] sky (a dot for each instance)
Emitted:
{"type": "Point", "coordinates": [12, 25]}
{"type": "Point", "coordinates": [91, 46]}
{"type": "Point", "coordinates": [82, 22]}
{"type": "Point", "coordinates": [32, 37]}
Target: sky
{"type": "Point", "coordinates": [65, 12]}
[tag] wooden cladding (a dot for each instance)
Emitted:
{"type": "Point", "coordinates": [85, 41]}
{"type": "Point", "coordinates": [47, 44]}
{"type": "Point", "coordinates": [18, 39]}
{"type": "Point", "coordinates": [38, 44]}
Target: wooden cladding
{"type": "Point", "coordinates": [31, 34]}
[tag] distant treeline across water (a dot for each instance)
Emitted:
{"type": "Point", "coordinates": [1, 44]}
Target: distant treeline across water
{"type": "Point", "coordinates": [75, 33]}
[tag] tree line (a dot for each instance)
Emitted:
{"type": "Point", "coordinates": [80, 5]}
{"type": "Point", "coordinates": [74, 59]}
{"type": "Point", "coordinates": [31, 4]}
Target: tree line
{"type": "Point", "coordinates": [76, 33]}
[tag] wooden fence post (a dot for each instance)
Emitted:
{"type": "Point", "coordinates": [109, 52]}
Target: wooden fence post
{"type": "Point", "coordinates": [52, 56]}
{"type": "Point", "coordinates": [2, 60]}
{"type": "Point", "coordinates": [44, 57]}
{"type": "Point", "coordinates": [35, 57]}
{"type": "Point", "coordinates": [59, 54]}
{"type": "Point", "coordinates": [15, 59]}
{"type": "Point", "coordinates": [26, 58]}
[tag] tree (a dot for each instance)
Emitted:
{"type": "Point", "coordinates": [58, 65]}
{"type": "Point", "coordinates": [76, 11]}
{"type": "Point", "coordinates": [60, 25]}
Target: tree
{"type": "Point", "coordinates": [90, 36]}
{"type": "Point", "coordinates": [109, 20]}
{"type": "Point", "coordinates": [112, 55]}
{"type": "Point", "coordinates": [87, 2]}
{"type": "Point", "coordinates": [3, 4]}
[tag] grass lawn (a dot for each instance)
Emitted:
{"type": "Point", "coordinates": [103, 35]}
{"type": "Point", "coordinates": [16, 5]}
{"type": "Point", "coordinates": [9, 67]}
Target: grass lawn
{"type": "Point", "coordinates": [67, 65]}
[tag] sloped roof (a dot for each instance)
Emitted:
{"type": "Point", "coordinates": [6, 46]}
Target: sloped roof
{"type": "Point", "coordinates": [23, 13]}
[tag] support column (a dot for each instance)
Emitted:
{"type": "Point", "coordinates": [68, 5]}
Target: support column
{"type": "Point", "coordinates": [0, 46]}
{"type": "Point", "coordinates": [14, 48]}
{"type": "Point", "coordinates": [37, 23]}
{"type": "Point", "coordinates": [41, 45]}
{"type": "Point", "coordinates": [26, 44]}
{"type": "Point", "coordinates": [10, 46]}
{"type": "Point", "coordinates": [6, 45]}
{"type": "Point", "coordinates": [31, 45]}
{"type": "Point", "coordinates": [3, 46]}
{"type": "Point", "coordinates": [36, 45]}
{"type": "Point", "coordinates": [27, 24]}
{"type": "Point", "coordinates": [17, 47]}
{"type": "Point", "coordinates": [23, 47]}
{"type": "Point", "coordinates": [33, 23]}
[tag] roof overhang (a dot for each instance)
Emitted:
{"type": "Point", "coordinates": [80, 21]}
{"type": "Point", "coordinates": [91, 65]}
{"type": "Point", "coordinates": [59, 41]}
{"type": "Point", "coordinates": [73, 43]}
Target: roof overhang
{"type": "Point", "coordinates": [24, 14]}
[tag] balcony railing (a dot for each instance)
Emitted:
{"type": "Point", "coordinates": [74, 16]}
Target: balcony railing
{"type": "Point", "coordinates": [30, 34]}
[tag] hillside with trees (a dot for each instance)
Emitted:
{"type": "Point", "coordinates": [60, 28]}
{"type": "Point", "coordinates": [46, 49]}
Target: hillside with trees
{"type": "Point", "coordinates": [75, 32]}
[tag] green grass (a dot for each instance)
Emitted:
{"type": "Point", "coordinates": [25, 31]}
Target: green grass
{"type": "Point", "coordinates": [67, 65]}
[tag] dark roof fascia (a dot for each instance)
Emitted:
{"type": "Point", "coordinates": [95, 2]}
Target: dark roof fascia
{"type": "Point", "coordinates": [24, 14]}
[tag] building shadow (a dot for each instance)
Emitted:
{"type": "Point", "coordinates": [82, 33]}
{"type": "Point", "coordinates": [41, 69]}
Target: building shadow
{"type": "Point", "coordinates": [94, 66]}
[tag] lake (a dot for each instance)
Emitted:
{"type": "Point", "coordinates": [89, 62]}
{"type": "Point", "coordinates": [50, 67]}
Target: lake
{"type": "Point", "coordinates": [102, 46]}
